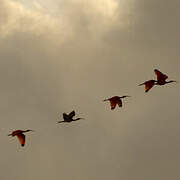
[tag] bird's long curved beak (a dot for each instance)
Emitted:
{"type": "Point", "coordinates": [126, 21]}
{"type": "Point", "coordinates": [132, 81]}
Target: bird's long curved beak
{"type": "Point", "coordinates": [9, 134]}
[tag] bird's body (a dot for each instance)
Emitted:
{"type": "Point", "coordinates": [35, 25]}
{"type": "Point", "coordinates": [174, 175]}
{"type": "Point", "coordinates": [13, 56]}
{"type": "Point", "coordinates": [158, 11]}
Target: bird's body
{"type": "Point", "coordinates": [20, 135]}
{"type": "Point", "coordinates": [69, 117]}
{"type": "Point", "coordinates": [161, 80]}
{"type": "Point", "coordinates": [115, 100]}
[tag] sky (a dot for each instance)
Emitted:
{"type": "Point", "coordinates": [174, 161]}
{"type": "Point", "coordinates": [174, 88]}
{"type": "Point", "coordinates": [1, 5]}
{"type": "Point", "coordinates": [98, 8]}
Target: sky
{"type": "Point", "coordinates": [58, 56]}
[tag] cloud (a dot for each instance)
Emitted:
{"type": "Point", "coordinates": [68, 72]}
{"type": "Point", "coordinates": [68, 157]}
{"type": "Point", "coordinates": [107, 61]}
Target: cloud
{"type": "Point", "coordinates": [16, 18]}
{"type": "Point", "coordinates": [72, 17]}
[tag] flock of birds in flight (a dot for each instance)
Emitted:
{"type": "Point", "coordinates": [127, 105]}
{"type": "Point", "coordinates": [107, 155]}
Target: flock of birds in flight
{"type": "Point", "coordinates": [115, 100]}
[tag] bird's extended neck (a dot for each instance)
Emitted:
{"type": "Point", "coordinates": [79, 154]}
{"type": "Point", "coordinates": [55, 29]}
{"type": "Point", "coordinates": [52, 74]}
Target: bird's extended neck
{"type": "Point", "coordinates": [27, 130]}
{"type": "Point", "coordinates": [170, 81]}
{"type": "Point", "coordinates": [77, 119]}
{"type": "Point", "coordinates": [124, 96]}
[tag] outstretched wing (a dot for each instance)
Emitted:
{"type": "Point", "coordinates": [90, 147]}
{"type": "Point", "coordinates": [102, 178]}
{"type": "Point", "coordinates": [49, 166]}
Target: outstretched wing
{"type": "Point", "coordinates": [72, 114]}
{"type": "Point", "coordinates": [112, 104]}
{"type": "Point", "coordinates": [65, 116]}
{"type": "Point", "coordinates": [148, 85]}
{"type": "Point", "coordinates": [21, 138]}
{"type": "Point", "coordinates": [160, 75]}
{"type": "Point", "coordinates": [119, 102]}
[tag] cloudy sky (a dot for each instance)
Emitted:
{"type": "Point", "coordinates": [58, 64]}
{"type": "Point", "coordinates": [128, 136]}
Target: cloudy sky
{"type": "Point", "coordinates": [60, 55]}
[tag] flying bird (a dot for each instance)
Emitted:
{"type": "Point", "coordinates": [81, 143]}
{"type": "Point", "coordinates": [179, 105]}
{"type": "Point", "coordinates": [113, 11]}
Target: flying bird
{"type": "Point", "coordinates": [161, 80]}
{"type": "Point", "coordinates": [20, 135]}
{"type": "Point", "coordinates": [115, 100]}
{"type": "Point", "coordinates": [148, 84]}
{"type": "Point", "coordinates": [69, 117]}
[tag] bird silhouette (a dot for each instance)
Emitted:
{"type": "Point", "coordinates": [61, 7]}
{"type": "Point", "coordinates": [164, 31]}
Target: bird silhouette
{"type": "Point", "coordinates": [148, 84]}
{"type": "Point", "coordinates": [69, 117]}
{"type": "Point", "coordinates": [20, 135]}
{"type": "Point", "coordinates": [115, 100]}
{"type": "Point", "coordinates": [161, 80]}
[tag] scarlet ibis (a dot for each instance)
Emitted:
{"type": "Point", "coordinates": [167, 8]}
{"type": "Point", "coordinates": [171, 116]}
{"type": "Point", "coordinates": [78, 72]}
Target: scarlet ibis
{"type": "Point", "coordinates": [69, 117]}
{"type": "Point", "coordinates": [115, 100]}
{"type": "Point", "coordinates": [20, 135]}
{"type": "Point", "coordinates": [148, 85]}
{"type": "Point", "coordinates": [161, 80]}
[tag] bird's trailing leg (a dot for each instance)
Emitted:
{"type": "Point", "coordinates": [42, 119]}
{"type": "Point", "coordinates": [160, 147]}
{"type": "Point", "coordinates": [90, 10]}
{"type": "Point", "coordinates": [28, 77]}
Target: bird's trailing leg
{"type": "Point", "coordinates": [61, 121]}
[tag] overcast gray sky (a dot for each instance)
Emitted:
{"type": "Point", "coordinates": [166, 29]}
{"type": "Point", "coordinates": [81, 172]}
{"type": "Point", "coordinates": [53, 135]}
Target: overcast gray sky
{"type": "Point", "coordinates": [60, 55]}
